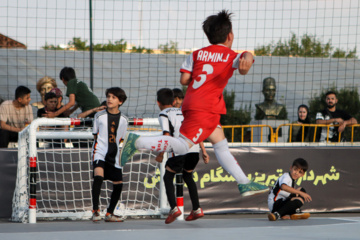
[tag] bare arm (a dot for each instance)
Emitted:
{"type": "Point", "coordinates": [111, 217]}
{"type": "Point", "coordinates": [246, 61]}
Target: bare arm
{"type": "Point", "coordinates": [206, 157]}
{"type": "Point", "coordinates": [185, 79]}
{"type": "Point", "coordinates": [67, 106]}
{"type": "Point", "coordinates": [88, 112]}
{"type": "Point", "coordinates": [349, 122]}
{"type": "Point", "coordinates": [295, 191]}
{"type": "Point", "coordinates": [7, 127]}
{"type": "Point", "coordinates": [245, 63]}
{"type": "Point", "coordinates": [332, 120]}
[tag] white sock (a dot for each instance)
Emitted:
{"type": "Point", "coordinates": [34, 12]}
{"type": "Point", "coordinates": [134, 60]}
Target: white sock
{"type": "Point", "coordinates": [228, 162]}
{"type": "Point", "coordinates": [163, 144]}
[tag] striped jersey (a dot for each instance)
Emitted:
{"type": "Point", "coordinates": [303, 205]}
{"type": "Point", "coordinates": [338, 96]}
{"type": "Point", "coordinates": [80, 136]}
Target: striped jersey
{"type": "Point", "coordinates": [276, 193]}
{"type": "Point", "coordinates": [110, 130]}
{"type": "Point", "coordinates": [170, 120]}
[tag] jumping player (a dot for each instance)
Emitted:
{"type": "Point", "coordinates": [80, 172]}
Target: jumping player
{"type": "Point", "coordinates": [206, 73]}
{"type": "Point", "coordinates": [109, 129]}
{"type": "Point", "coordinates": [170, 119]}
{"type": "Point", "coordinates": [284, 199]}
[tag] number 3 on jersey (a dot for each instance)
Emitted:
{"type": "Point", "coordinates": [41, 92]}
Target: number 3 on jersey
{"type": "Point", "coordinates": [206, 68]}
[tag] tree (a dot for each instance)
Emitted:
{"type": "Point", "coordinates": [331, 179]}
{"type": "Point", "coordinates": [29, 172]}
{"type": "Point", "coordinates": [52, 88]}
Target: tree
{"type": "Point", "coordinates": [117, 46]}
{"type": "Point", "coordinates": [140, 49]}
{"type": "Point", "coordinates": [339, 53]}
{"type": "Point", "coordinates": [308, 46]}
{"type": "Point", "coordinates": [348, 101]}
{"type": "Point", "coordinates": [234, 117]}
{"type": "Point", "coordinates": [51, 47]}
{"type": "Point", "coordinates": [78, 44]}
{"type": "Point", "coordinates": [169, 48]}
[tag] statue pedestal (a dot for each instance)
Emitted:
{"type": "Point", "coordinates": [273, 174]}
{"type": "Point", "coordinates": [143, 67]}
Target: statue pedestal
{"type": "Point", "coordinates": [283, 132]}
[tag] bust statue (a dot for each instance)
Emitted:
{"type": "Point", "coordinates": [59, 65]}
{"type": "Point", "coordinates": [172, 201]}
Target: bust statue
{"type": "Point", "coordinates": [43, 86]}
{"type": "Point", "coordinates": [270, 109]}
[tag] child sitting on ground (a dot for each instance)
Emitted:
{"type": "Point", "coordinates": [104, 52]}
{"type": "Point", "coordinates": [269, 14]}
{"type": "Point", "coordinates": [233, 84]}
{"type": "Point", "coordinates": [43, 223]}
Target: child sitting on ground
{"type": "Point", "coordinates": [284, 199]}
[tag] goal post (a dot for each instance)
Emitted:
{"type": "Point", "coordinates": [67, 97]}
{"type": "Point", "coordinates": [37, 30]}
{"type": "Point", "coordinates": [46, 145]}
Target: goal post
{"type": "Point", "coordinates": [54, 174]}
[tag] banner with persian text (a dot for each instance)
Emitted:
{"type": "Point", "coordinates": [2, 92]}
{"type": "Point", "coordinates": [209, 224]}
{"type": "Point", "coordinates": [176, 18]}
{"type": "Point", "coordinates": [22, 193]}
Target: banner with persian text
{"type": "Point", "coordinates": [332, 179]}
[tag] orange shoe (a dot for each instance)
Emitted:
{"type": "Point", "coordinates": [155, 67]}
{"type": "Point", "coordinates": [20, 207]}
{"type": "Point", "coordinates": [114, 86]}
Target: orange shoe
{"type": "Point", "coordinates": [195, 215]}
{"type": "Point", "coordinates": [298, 216]}
{"type": "Point", "coordinates": [173, 214]}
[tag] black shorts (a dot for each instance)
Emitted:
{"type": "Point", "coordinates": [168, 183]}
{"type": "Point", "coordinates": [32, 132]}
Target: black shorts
{"type": "Point", "coordinates": [110, 172]}
{"type": "Point", "coordinates": [186, 162]}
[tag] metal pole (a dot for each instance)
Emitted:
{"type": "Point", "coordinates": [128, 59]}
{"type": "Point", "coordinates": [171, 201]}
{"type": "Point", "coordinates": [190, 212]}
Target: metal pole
{"type": "Point", "coordinates": [91, 49]}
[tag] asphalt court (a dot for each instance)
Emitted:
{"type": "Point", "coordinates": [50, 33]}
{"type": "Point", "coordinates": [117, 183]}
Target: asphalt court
{"type": "Point", "coordinates": [234, 226]}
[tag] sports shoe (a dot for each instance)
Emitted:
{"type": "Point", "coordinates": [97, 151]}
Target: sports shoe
{"type": "Point", "coordinates": [273, 216]}
{"type": "Point", "coordinates": [173, 214]}
{"type": "Point", "coordinates": [109, 217]}
{"type": "Point", "coordinates": [195, 215]}
{"type": "Point", "coordinates": [252, 188]}
{"type": "Point", "coordinates": [96, 215]}
{"type": "Point", "coordinates": [298, 216]}
{"type": "Point", "coordinates": [128, 149]}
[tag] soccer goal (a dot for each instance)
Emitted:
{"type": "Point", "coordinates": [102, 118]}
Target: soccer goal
{"type": "Point", "coordinates": [54, 174]}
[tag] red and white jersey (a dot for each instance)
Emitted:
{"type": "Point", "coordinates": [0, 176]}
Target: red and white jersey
{"type": "Point", "coordinates": [211, 68]}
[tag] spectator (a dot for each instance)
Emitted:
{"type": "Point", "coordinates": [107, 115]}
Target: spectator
{"type": "Point", "coordinates": [15, 115]}
{"type": "Point", "coordinates": [333, 116]}
{"type": "Point", "coordinates": [78, 92]}
{"type": "Point", "coordinates": [59, 96]}
{"type": "Point", "coordinates": [297, 131]}
{"type": "Point", "coordinates": [178, 97]}
{"type": "Point", "coordinates": [51, 105]}
{"type": "Point", "coordinates": [43, 86]}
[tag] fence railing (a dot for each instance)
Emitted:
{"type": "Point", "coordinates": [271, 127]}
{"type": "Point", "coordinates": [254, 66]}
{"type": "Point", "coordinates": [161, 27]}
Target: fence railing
{"type": "Point", "coordinates": [274, 136]}
{"type": "Point", "coordinates": [245, 127]}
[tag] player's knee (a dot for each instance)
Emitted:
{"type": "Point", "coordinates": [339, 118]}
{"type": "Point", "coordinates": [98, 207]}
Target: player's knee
{"type": "Point", "coordinates": [221, 146]}
{"type": "Point", "coordinates": [168, 176]}
{"type": "Point", "coordinates": [298, 202]}
{"type": "Point", "coordinates": [98, 178]}
{"type": "Point", "coordinates": [187, 176]}
{"type": "Point", "coordinates": [169, 169]}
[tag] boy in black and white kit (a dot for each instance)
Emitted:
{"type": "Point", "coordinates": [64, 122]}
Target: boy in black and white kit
{"type": "Point", "coordinates": [284, 199]}
{"type": "Point", "coordinates": [170, 119]}
{"type": "Point", "coordinates": [109, 129]}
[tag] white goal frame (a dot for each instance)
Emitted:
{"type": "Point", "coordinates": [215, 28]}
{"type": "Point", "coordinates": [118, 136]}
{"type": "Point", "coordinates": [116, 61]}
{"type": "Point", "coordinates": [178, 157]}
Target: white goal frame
{"type": "Point", "coordinates": [25, 194]}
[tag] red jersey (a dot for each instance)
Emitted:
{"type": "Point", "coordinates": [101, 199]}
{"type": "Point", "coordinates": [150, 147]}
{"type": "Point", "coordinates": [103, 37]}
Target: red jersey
{"type": "Point", "coordinates": [211, 68]}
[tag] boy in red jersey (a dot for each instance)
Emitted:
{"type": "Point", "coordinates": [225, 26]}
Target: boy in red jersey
{"type": "Point", "coordinates": [206, 73]}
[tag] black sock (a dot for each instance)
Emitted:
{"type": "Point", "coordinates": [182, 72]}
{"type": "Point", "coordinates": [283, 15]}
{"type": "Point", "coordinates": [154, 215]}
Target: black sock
{"type": "Point", "coordinates": [188, 179]}
{"type": "Point", "coordinates": [96, 189]}
{"type": "Point", "coordinates": [169, 186]}
{"type": "Point", "coordinates": [290, 207]}
{"type": "Point", "coordinates": [115, 196]}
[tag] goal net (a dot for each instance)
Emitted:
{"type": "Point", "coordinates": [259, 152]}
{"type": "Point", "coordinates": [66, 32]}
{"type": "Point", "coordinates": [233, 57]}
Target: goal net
{"type": "Point", "coordinates": [54, 175]}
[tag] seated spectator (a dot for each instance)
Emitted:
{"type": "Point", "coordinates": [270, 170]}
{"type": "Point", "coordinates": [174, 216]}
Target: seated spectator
{"type": "Point", "coordinates": [51, 105]}
{"type": "Point", "coordinates": [15, 115]}
{"type": "Point", "coordinates": [297, 131]}
{"type": "Point", "coordinates": [59, 96]}
{"type": "Point", "coordinates": [333, 116]}
{"type": "Point", "coordinates": [178, 97]}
